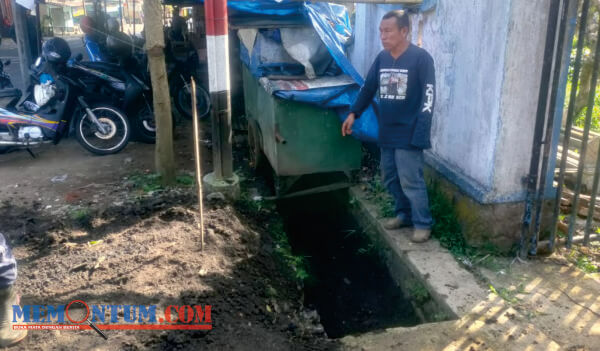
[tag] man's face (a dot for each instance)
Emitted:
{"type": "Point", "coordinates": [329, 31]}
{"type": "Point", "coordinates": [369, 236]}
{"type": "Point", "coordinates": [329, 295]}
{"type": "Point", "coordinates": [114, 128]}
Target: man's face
{"type": "Point", "coordinates": [392, 37]}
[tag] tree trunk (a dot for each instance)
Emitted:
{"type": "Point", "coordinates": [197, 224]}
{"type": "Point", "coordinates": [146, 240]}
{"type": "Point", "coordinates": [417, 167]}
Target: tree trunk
{"type": "Point", "coordinates": [585, 82]}
{"type": "Point", "coordinates": [155, 44]}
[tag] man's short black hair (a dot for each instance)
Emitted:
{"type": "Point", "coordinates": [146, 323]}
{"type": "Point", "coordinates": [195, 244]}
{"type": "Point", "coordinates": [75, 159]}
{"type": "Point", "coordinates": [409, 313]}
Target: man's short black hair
{"type": "Point", "coordinates": [401, 16]}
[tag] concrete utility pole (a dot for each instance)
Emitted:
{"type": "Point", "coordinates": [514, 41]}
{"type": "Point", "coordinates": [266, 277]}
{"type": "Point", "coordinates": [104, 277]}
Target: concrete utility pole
{"type": "Point", "coordinates": [23, 44]}
{"type": "Point", "coordinates": [155, 44]}
{"type": "Point", "coordinates": [217, 49]}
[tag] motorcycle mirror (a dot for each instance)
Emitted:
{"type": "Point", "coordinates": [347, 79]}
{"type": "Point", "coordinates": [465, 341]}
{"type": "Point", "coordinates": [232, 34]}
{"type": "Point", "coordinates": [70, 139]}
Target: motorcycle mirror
{"type": "Point", "coordinates": [79, 57]}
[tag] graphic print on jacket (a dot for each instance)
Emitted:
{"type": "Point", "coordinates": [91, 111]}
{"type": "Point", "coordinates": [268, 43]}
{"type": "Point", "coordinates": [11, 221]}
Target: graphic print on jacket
{"type": "Point", "coordinates": [393, 83]}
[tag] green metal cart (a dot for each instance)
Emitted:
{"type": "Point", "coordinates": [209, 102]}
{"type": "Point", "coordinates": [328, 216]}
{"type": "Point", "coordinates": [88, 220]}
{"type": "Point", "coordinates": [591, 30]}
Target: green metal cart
{"type": "Point", "coordinates": [302, 143]}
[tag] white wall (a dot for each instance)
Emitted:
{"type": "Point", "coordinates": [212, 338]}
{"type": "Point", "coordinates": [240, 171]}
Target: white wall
{"type": "Point", "coordinates": [522, 75]}
{"type": "Point", "coordinates": [488, 55]}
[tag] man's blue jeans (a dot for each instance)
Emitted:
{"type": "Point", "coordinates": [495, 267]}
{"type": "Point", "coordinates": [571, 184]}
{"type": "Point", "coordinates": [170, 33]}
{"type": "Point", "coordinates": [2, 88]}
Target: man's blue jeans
{"type": "Point", "coordinates": [8, 264]}
{"type": "Point", "coordinates": [402, 172]}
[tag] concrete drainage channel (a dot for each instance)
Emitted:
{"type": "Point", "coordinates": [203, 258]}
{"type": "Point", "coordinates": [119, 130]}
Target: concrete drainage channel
{"type": "Point", "coordinates": [362, 280]}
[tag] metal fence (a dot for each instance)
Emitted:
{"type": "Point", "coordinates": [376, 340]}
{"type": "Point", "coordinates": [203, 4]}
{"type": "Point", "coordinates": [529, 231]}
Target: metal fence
{"type": "Point", "coordinates": [569, 181]}
{"type": "Point", "coordinates": [576, 82]}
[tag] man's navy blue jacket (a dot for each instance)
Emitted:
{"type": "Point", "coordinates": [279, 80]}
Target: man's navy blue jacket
{"type": "Point", "coordinates": [406, 98]}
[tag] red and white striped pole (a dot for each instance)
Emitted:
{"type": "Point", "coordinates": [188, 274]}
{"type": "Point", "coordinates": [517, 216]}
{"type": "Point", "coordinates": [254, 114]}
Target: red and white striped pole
{"type": "Point", "coordinates": [217, 51]}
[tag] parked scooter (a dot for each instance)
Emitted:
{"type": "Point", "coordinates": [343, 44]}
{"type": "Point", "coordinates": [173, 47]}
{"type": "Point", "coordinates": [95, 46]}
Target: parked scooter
{"type": "Point", "coordinates": [49, 108]}
{"type": "Point", "coordinates": [180, 65]}
{"type": "Point", "coordinates": [122, 82]}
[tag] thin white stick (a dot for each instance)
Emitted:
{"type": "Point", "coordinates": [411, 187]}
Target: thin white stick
{"type": "Point", "coordinates": [198, 168]}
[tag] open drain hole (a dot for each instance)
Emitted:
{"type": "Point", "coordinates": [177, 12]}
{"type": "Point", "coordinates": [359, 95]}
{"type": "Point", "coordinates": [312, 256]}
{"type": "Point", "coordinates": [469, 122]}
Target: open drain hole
{"type": "Point", "coordinates": [348, 284]}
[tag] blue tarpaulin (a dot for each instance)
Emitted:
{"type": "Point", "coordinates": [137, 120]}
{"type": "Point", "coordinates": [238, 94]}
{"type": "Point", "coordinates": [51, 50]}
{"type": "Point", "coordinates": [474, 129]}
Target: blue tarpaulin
{"type": "Point", "coordinates": [332, 24]}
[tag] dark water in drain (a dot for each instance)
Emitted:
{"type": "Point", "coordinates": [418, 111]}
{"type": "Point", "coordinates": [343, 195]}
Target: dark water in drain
{"type": "Point", "coordinates": [349, 286]}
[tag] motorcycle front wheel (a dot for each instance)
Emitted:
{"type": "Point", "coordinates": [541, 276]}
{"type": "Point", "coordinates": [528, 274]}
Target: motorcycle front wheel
{"type": "Point", "coordinates": [183, 100]}
{"type": "Point", "coordinates": [116, 131]}
{"type": "Point", "coordinates": [144, 125]}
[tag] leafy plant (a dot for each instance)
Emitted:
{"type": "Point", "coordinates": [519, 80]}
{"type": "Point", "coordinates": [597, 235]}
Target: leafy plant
{"type": "Point", "coordinates": [585, 264]}
{"type": "Point", "coordinates": [446, 227]}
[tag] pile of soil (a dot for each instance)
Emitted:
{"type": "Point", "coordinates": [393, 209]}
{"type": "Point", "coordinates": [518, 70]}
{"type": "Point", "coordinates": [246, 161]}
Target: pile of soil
{"type": "Point", "coordinates": [155, 257]}
{"type": "Point", "coordinates": [99, 239]}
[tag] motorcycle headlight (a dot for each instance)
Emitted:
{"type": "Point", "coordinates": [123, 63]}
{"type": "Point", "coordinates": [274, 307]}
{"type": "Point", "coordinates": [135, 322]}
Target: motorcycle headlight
{"type": "Point", "coordinates": [118, 85]}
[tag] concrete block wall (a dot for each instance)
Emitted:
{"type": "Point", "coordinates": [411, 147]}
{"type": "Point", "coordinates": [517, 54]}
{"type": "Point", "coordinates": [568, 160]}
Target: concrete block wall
{"type": "Point", "coordinates": [488, 58]}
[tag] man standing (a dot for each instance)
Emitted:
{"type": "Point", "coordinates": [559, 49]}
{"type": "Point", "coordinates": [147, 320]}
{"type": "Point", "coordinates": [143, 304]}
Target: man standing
{"type": "Point", "coordinates": [405, 77]}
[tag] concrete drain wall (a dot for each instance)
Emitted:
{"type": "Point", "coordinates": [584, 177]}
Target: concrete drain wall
{"type": "Point", "coordinates": [427, 273]}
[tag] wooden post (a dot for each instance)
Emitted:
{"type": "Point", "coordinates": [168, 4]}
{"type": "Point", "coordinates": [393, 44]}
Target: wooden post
{"type": "Point", "coordinates": [155, 44]}
{"type": "Point", "coordinates": [23, 47]}
{"type": "Point", "coordinates": [218, 76]}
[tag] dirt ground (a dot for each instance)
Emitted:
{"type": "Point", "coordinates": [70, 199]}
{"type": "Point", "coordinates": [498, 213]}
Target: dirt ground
{"type": "Point", "coordinates": [98, 236]}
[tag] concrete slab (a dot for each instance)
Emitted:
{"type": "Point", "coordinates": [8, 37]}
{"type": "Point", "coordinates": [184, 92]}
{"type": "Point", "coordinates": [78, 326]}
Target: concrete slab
{"type": "Point", "coordinates": [491, 326]}
{"type": "Point", "coordinates": [230, 188]}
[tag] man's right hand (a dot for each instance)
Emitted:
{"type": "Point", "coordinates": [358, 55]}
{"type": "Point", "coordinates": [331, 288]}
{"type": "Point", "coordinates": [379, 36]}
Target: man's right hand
{"type": "Point", "coordinates": [348, 123]}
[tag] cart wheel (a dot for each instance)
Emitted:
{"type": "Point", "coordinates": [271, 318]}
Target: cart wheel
{"type": "Point", "coordinates": [254, 144]}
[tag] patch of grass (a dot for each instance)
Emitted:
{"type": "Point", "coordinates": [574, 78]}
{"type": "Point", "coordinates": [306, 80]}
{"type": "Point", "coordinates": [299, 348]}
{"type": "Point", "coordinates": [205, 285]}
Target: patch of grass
{"type": "Point", "coordinates": [298, 264]}
{"type": "Point", "coordinates": [448, 231]}
{"type": "Point", "coordinates": [585, 264]}
{"type": "Point", "coordinates": [446, 227]}
{"type": "Point", "coordinates": [381, 198]}
{"type": "Point", "coordinates": [185, 180]}
{"type": "Point", "coordinates": [418, 292]}
{"type": "Point", "coordinates": [148, 182]}
{"type": "Point", "coordinates": [81, 216]}
{"type": "Point", "coordinates": [582, 261]}
{"type": "Point", "coordinates": [508, 295]}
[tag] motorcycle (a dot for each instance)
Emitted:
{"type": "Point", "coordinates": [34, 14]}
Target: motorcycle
{"type": "Point", "coordinates": [119, 83]}
{"type": "Point", "coordinates": [179, 65]}
{"type": "Point", "coordinates": [51, 109]}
